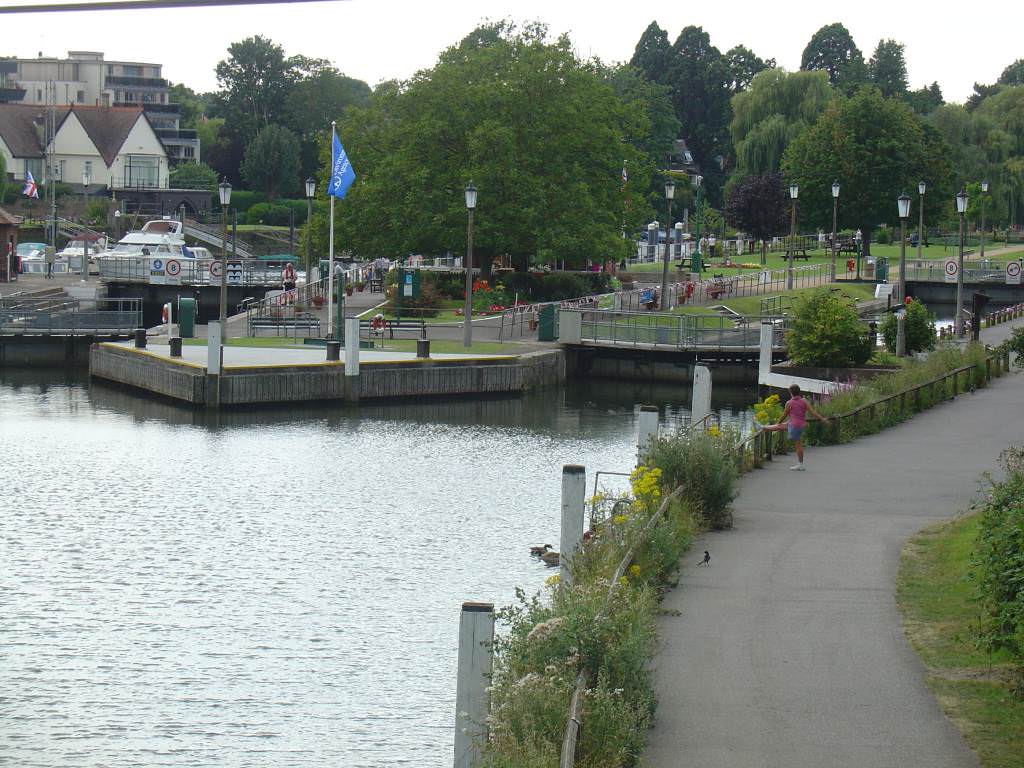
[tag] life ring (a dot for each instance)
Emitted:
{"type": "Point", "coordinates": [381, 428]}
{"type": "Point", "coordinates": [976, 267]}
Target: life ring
{"type": "Point", "coordinates": [163, 314]}
{"type": "Point", "coordinates": [378, 323]}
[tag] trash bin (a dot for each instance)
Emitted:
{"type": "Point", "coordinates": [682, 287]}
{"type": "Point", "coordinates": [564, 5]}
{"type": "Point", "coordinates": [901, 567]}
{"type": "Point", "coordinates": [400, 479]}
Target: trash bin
{"type": "Point", "coordinates": [869, 269]}
{"type": "Point", "coordinates": [187, 317]}
{"type": "Point", "coordinates": [546, 323]}
{"type": "Point", "coordinates": [882, 269]}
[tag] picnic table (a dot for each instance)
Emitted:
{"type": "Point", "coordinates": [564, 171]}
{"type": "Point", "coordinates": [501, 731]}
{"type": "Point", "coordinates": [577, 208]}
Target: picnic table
{"type": "Point", "coordinates": [798, 253]}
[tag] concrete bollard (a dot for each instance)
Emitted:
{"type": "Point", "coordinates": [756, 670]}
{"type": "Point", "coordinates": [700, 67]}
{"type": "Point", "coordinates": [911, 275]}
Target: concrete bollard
{"type": "Point", "coordinates": [423, 348]}
{"type": "Point", "coordinates": [574, 489]}
{"type": "Point", "coordinates": [700, 402]}
{"type": "Point", "coordinates": [647, 430]}
{"type": "Point", "coordinates": [472, 700]}
{"type": "Point", "coordinates": [140, 338]}
{"type": "Point", "coordinates": [351, 346]}
{"type": "Point", "coordinates": [175, 345]}
{"type": "Point", "coordinates": [764, 365]}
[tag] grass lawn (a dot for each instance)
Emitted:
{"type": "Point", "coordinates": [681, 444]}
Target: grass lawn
{"type": "Point", "coordinates": [939, 613]}
{"type": "Point", "coordinates": [751, 305]}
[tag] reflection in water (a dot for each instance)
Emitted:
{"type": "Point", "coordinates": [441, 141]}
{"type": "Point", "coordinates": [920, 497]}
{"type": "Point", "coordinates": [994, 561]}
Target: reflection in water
{"type": "Point", "coordinates": [274, 587]}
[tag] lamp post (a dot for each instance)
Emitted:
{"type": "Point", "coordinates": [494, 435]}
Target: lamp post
{"type": "Point", "coordinates": [961, 209]}
{"type": "Point", "coordinates": [310, 194]}
{"type": "Point", "coordinates": [903, 204]}
{"type": "Point", "coordinates": [835, 218]}
{"type": "Point", "coordinates": [467, 313]}
{"type": "Point", "coordinates": [984, 194]}
{"type": "Point", "coordinates": [86, 181]}
{"type": "Point", "coordinates": [225, 200]}
{"type": "Point", "coordinates": [697, 264]}
{"type": "Point", "coordinates": [921, 187]}
{"type": "Point", "coordinates": [794, 193]}
{"type": "Point", "coordinates": [670, 191]}
{"type": "Point", "coordinates": [117, 224]}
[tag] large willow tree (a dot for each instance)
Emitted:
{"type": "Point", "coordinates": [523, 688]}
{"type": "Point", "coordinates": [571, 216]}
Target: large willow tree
{"type": "Point", "coordinates": [541, 134]}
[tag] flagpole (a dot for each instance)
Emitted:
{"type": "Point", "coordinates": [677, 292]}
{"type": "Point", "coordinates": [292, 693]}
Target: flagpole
{"type": "Point", "coordinates": [330, 258]}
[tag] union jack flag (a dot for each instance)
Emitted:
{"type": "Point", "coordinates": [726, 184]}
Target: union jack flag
{"type": "Point", "coordinates": [30, 190]}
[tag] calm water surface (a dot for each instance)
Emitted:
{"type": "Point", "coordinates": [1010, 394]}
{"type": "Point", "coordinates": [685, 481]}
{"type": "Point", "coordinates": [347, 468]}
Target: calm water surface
{"type": "Point", "coordinates": [276, 588]}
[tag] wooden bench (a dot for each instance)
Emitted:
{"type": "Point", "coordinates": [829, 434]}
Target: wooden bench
{"type": "Point", "coordinates": [395, 326]}
{"type": "Point", "coordinates": [718, 288]}
{"type": "Point", "coordinates": [310, 322]}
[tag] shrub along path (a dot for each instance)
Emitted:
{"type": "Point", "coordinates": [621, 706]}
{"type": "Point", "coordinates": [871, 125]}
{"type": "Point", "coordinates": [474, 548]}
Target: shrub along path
{"type": "Point", "coordinates": [789, 650]}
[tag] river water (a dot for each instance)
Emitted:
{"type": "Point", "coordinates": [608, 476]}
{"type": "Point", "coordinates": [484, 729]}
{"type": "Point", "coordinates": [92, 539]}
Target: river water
{"type": "Point", "coordinates": [273, 588]}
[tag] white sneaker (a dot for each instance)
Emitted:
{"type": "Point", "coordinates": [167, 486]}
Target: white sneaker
{"type": "Point", "coordinates": [797, 468]}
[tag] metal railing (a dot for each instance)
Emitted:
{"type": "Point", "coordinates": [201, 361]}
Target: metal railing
{"type": "Point", "coordinates": [675, 331]}
{"type": "Point", "coordinates": [287, 306]}
{"type": "Point", "coordinates": [979, 271]}
{"type": "Point", "coordinates": [58, 316]}
{"type": "Point", "coordinates": [152, 269]}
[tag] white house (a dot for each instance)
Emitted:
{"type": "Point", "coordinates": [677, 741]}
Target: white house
{"type": "Point", "coordinates": [117, 145]}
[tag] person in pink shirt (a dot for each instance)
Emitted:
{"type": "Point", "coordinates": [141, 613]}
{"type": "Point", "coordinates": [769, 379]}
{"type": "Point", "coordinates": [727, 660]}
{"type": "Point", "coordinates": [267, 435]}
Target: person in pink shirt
{"type": "Point", "coordinates": [794, 416]}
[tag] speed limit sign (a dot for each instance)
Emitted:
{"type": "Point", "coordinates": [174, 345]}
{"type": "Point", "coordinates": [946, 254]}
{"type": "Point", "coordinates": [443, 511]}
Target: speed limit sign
{"type": "Point", "coordinates": [1013, 273]}
{"type": "Point", "coordinates": [952, 270]}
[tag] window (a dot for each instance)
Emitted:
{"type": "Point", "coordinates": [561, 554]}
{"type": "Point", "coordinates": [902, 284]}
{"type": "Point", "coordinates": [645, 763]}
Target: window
{"type": "Point", "coordinates": [35, 167]}
{"type": "Point", "coordinates": [87, 170]}
{"type": "Point", "coordinates": [187, 151]}
{"type": "Point", "coordinates": [39, 95]}
{"type": "Point", "coordinates": [80, 97]}
{"type": "Point", "coordinates": [59, 176]}
{"type": "Point", "coordinates": [687, 157]}
{"type": "Point", "coordinates": [141, 171]}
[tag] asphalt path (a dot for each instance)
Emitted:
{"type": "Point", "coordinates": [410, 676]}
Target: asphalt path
{"type": "Point", "coordinates": [788, 651]}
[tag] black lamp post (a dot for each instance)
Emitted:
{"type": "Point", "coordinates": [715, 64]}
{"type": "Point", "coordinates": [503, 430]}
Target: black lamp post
{"type": "Point", "coordinates": [794, 193]}
{"type": "Point", "coordinates": [961, 209]}
{"type": "Point", "coordinates": [310, 194]}
{"type": "Point", "coordinates": [467, 313]}
{"type": "Point", "coordinates": [86, 181]}
{"type": "Point", "coordinates": [903, 204]}
{"type": "Point", "coordinates": [224, 188]}
{"type": "Point", "coordinates": [921, 187]}
{"type": "Point", "coordinates": [697, 265]}
{"type": "Point", "coordinates": [835, 218]}
{"type": "Point", "coordinates": [670, 191]}
{"type": "Point", "coordinates": [984, 194]}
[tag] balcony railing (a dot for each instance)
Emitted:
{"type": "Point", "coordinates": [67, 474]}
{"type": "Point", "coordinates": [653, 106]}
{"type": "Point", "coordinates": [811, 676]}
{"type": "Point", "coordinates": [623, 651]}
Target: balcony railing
{"type": "Point", "coordinates": [182, 134]}
{"type": "Point", "coordinates": [136, 82]}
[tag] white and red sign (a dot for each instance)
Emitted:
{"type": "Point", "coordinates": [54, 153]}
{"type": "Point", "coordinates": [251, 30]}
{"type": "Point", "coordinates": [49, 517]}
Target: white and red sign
{"type": "Point", "coordinates": [1013, 273]}
{"type": "Point", "coordinates": [216, 272]}
{"type": "Point", "coordinates": [952, 270]}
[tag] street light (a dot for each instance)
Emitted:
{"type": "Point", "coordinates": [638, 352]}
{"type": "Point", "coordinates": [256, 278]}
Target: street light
{"type": "Point", "coordinates": [903, 205]}
{"type": "Point", "coordinates": [467, 313]}
{"type": "Point", "coordinates": [697, 266]}
{"type": "Point", "coordinates": [835, 216]}
{"type": "Point", "coordinates": [310, 194]}
{"type": "Point", "coordinates": [961, 209]}
{"type": "Point", "coordinates": [117, 224]}
{"type": "Point", "coordinates": [670, 192]}
{"type": "Point", "coordinates": [224, 188]}
{"type": "Point", "coordinates": [921, 187]}
{"type": "Point", "coordinates": [794, 193]}
{"type": "Point", "coordinates": [984, 193]}
{"type": "Point", "coordinates": [86, 181]}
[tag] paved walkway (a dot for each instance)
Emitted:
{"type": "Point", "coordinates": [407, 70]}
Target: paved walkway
{"type": "Point", "coordinates": [789, 651]}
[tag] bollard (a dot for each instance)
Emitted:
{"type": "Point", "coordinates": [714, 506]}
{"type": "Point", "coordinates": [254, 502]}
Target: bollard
{"type": "Point", "coordinates": [700, 399]}
{"type": "Point", "coordinates": [423, 348]}
{"type": "Point", "coordinates": [574, 489]}
{"type": "Point", "coordinates": [333, 351]}
{"type": "Point", "coordinates": [140, 338]}
{"type": "Point", "coordinates": [647, 430]}
{"type": "Point", "coordinates": [472, 700]}
{"type": "Point", "coordinates": [351, 346]}
{"type": "Point", "coordinates": [175, 344]}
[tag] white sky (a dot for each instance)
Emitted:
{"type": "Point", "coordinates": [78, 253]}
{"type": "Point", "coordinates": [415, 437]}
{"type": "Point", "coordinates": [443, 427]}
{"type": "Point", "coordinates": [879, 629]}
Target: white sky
{"type": "Point", "coordinates": [373, 40]}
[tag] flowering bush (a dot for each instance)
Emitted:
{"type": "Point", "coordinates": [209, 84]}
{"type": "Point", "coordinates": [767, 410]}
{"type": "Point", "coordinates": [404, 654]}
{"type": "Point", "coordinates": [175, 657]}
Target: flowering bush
{"type": "Point", "coordinates": [768, 410]}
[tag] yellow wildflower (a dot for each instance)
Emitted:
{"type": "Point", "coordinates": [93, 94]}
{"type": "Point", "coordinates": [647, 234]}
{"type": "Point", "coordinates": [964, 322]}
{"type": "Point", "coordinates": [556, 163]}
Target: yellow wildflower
{"type": "Point", "coordinates": [552, 581]}
{"type": "Point", "coordinates": [634, 571]}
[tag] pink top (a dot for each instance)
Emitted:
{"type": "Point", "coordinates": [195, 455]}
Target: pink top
{"type": "Point", "coordinates": [797, 412]}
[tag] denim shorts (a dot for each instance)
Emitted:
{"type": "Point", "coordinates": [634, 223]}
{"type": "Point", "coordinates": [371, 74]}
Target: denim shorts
{"type": "Point", "coordinates": [795, 432]}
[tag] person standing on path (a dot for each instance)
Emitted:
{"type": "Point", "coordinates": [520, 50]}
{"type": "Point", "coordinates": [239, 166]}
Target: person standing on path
{"type": "Point", "coordinates": [50, 255]}
{"type": "Point", "coordinates": [794, 416]}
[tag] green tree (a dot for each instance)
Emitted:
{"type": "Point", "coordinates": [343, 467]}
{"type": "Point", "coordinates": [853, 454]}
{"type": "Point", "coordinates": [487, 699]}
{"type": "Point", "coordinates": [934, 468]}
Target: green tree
{"type": "Point", "coordinates": [652, 54]}
{"type": "Point", "coordinates": [759, 205]}
{"type": "Point", "coordinates": [254, 81]}
{"type": "Point", "coordinates": [193, 176]}
{"type": "Point", "coordinates": [3, 176]}
{"type": "Point", "coordinates": [877, 148]}
{"type": "Point", "coordinates": [744, 64]}
{"type": "Point", "coordinates": [827, 332]}
{"type": "Point", "coordinates": [1013, 74]}
{"type": "Point", "coordinates": [888, 69]}
{"type": "Point", "coordinates": [832, 49]}
{"type": "Point", "coordinates": [488, 112]}
{"type": "Point", "coordinates": [920, 329]}
{"type": "Point", "coordinates": [192, 106]}
{"type": "Point", "coordinates": [926, 100]}
{"type": "Point", "coordinates": [271, 163]}
{"type": "Point", "coordinates": [776, 108]}
{"type": "Point", "coordinates": [701, 90]}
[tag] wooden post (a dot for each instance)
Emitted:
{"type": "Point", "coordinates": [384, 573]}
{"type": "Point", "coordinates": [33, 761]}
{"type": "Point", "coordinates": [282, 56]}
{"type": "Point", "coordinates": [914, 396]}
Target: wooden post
{"type": "Point", "coordinates": [988, 370]}
{"type": "Point", "coordinates": [838, 429]}
{"type": "Point", "coordinates": [647, 430]}
{"type": "Point", "coordinates": [574, 488]}
{"type": "Point", "coordinates": [472, 701]}
{"type": "Point", "coordinates": [700, 403]}
{"type": "Point", "coordinates": [903, 405]}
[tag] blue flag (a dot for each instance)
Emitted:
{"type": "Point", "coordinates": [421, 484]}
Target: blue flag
{"type": "Point", "coordinates": [342, 174]}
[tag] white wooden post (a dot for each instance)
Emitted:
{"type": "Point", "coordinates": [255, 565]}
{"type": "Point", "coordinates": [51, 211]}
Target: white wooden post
{"type": "Point", "coordinates": [700, 405]}
{"type": "Point", "coordinates": [647, 430]}
{"type": "Point", "coordinates": [472, 700]}
{"type": "Point", "coordinates": [213, 343]}
{"type": "Point", "coordinates": [170, 319]}
{"type": "Point", "coordinates": [352, 346]}
{"type": "Point", "coordinates": [574, 489]}
{"type": "Point", "coordinates": [764, 368]}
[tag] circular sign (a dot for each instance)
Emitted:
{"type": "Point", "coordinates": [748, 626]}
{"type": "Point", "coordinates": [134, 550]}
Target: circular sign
{"type": "Point", "coordinates": [952, 268]}
{"type": "Point", "coordinates": [216, 269]}
{"type": "Point", "coordinates": [1013, 269]}
{"type": "Point", "coordinates": [158, 264]}
{"type": "Point", "coordinates": [173, 268]}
